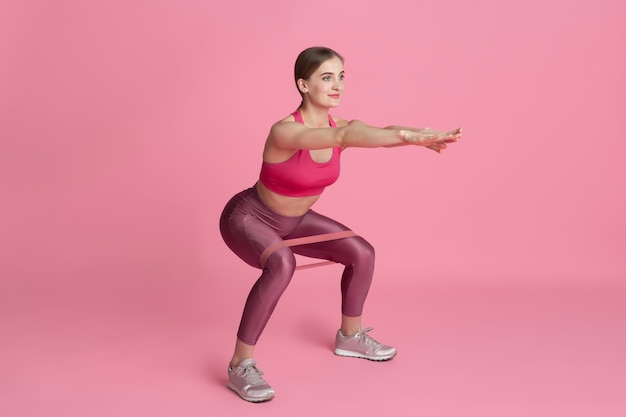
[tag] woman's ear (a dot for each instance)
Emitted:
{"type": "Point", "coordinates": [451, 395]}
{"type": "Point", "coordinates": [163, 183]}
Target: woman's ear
{"type": "Point", "coordinates": [302, 86]}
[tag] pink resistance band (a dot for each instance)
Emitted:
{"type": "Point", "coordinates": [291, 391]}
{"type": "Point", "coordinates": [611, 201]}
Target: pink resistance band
{"type": "Point", "coordinates": [303, 241]}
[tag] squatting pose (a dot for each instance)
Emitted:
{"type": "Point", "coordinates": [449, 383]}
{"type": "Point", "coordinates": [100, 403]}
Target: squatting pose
{"type": "Point", "coordinates": [301, 158]}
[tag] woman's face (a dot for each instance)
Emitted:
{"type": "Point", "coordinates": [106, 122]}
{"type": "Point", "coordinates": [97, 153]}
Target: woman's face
{"type": "Point", "coordinates": [325, 86]}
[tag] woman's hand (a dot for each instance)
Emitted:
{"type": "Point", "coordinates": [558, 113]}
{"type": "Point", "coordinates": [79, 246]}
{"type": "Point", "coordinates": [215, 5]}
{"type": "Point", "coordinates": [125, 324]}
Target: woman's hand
{"type": "Point", "coordinates": [431, 139]}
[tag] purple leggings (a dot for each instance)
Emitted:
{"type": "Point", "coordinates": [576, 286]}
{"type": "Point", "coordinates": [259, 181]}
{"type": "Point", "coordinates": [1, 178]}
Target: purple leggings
{"type": "Point", "coordinates": [248, 227]}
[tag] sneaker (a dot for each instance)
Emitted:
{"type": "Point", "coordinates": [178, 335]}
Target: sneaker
{"type": "Point", "coordinates": [247, 381]}
{"type": "Point", "coordinates": [362, 345]}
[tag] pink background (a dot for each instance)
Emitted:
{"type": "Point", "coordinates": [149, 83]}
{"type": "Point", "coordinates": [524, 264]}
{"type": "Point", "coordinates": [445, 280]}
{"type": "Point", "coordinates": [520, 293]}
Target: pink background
{"type": "Point", "coordinates": [126, 125]}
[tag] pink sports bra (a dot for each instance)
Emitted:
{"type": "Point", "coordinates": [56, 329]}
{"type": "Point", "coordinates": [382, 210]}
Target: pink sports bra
{"type": "Point", "coordinates": [300, 175]}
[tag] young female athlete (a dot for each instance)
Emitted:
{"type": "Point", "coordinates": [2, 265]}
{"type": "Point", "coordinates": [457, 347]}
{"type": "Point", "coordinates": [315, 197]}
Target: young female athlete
{"type": "Point", "coordinates": [301, 158]}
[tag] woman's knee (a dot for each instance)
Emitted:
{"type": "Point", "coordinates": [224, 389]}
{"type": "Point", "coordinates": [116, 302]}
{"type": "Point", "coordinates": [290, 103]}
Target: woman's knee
{"type": "Point", "coordinates": [360, 252]}
{"type": "Point", "coordinates": [281, 264]}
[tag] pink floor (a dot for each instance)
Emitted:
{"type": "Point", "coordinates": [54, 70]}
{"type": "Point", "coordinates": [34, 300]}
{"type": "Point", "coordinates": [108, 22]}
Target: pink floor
{"type": "Point", "coordinates": [467, 349]}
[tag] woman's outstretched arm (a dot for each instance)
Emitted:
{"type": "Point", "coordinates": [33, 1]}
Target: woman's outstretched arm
{"type": "Point", "coordinates": [356, 134]}
{"type": "Point", "coordinates": [359, 134]}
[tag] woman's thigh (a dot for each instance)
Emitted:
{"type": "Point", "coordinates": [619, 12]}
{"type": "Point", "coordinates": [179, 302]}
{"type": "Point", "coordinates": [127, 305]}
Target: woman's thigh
{"type": "Point", "coordinates": [344, 251]}
{"type": "Point", "coordinates": [248, 237]}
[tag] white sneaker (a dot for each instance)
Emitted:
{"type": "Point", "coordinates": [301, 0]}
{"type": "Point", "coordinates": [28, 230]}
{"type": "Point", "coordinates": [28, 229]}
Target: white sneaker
{"type": "Point", "coordinates": [362, 345]}
{"type": "Point", "coordinates": [247, 381]}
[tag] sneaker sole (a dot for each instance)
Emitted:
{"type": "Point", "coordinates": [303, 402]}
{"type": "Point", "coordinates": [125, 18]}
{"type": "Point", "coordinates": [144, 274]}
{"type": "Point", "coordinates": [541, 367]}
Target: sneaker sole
{"type": "Point", "coordinates": [350, 354]}
{"type": "Point", "coordinates": [268, 397]}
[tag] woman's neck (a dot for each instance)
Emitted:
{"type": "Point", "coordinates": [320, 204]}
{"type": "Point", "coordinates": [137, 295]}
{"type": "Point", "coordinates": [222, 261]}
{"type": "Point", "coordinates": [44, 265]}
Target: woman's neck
{"type": "Point", "coordinates": [314, 116]}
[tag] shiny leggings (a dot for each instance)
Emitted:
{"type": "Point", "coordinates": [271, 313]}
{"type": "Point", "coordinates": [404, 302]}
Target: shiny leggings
{"type": "Point", "coordinates": [248, 227]}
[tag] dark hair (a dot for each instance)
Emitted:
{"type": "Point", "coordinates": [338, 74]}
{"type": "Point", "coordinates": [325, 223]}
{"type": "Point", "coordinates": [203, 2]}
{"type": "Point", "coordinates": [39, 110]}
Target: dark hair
{"type": "Point", "coordinates": [310, 59]}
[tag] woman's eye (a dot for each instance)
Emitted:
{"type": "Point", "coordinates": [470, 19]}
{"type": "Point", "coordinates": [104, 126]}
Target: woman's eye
{"type": "Point", "coordinates": [327, 78]}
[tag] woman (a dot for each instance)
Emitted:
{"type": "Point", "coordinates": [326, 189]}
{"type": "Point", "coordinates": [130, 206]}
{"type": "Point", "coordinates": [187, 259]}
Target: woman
{"type": "Point", "coordinates": [300, 158]}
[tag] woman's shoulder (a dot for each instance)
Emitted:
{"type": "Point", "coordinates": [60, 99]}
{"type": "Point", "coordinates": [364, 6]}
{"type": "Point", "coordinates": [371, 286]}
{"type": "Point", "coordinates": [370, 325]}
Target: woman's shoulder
{"type": "Point", "coordinates": [284, 123]}
{"type": "Point", "coordinates": [285, 127]}
{"type": "Point", "coordinates": [339, 121]}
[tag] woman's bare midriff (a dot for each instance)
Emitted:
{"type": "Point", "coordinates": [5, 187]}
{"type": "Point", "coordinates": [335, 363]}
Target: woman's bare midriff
{"type": "Point", "coordinates": [285, 205]}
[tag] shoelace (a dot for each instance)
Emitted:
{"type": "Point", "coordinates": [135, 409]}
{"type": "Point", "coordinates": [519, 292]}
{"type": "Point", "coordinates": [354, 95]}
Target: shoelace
{"type": "Point", "coordinates": [252, 374]}
{"type": "Point", "coordinates": [366, 338]}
